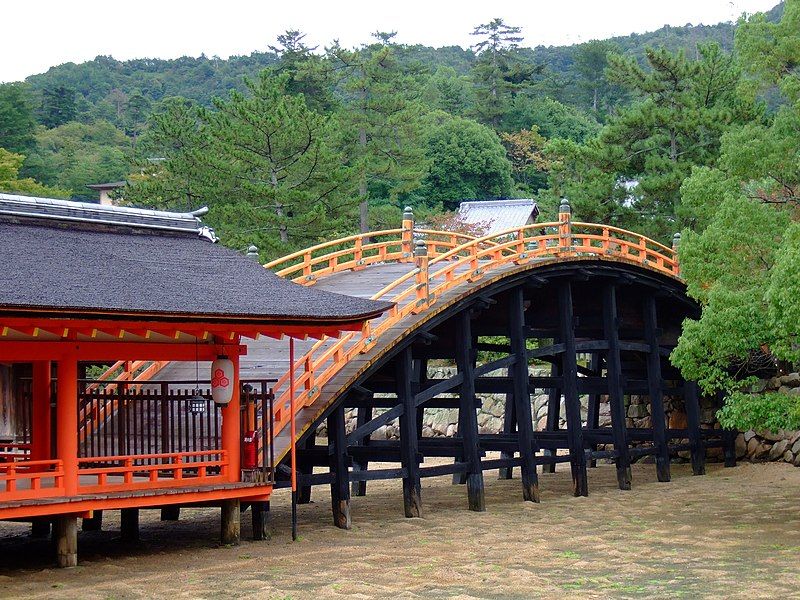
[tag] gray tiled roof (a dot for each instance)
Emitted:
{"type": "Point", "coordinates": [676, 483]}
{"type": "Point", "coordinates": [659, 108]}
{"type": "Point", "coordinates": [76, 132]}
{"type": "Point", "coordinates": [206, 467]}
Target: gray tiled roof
{"type": "Point", "coordinates": [79, 266]}
{"type": "Point", "coordinates": [68, 210]}
{"type": "Point", "coordinates": [499, 214]}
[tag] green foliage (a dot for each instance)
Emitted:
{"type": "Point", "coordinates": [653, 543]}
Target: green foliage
{"type": "Point", "coordinates": [10, 183]}
{"type": "Point", "coordinates": [17, 123]}
{"type": "Point", "coordinates": [74, 155]}
{"type": "Point", "coordinates": [467, 162]}
{"type": "Point", "coordinates": [771, 411]}
{"type": "Point", "coordinates": [58, 106]}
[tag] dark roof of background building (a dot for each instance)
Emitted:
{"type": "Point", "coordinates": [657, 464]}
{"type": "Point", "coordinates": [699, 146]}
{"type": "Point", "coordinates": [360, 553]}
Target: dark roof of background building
{"type": "Point", "coordinates": [111, 185]}
{"type": "Point", "coordinates": [81, 267]}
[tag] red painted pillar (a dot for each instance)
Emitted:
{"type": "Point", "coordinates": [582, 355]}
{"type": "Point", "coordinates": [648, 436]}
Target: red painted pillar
{"type": "Point", "coordinates": [67, 421]}
{"type": "Point", "coordinates": [231, 426]}
{"type": "Point", "coordinates": [40, 417]}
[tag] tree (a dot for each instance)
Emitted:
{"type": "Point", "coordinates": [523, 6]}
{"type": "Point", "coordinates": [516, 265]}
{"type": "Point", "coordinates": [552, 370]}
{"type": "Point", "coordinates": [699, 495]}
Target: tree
{"type": "Point", "coordinates": [58, 106]}
{"type": "Point", "coordinates": [524, 150]}
{"type": "Point", "coordinates": [467, 162]}
{"type": "Point", "coordinates": [497, 69]}
{"type": "Point", "coordinates": [306, 71]}
{"type": "Point", "coordinates": [17, 123]}
{"type": "Point", "coordinates": [380, 121]}
{"type": "Point", "coordinates": [743, 265]}
{"type": "Point", "coordinates": [10, 183]}
{"type": "Point", "coordinates": [591, 60]}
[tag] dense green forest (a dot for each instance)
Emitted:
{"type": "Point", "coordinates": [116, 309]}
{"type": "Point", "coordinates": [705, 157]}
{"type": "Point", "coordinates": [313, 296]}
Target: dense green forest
{"type": "Point", "coordinates": [691, 129]}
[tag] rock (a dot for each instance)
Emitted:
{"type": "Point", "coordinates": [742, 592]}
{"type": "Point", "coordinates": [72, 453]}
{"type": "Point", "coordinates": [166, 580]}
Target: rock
{"type": "Point", "coordinates": [749, 435]}
{"type": "Point", "coordinates": [796, 461]}
{"type": "Point", "coordinates": [762, 450]}
{"type": "Point", "coordinates": [788, 456]}
{"type": "Point", "coordinates": [752, 447]}
{"type": "Point", "coordinates": [637, 411]}
{"type": "Point", "coordinates": [785, 390]}
{"type": "Point", "coordinates": [771, 436]}
{"type": "Point", "coordinates": [774, 383]}
{"type": "Point", "coordinates": [796, 447]}
{"type": "Point", "coordinates": [791, 380]}
{"type": "Point", "coordinates": [452, 429]}
{"type": "Point", "coordinates": [541, 424]}
{"type": "Point", "coordinates": [759, 386]}
{"type": "Point", "coordinates": [741, 446]}
{"type": "Point", "coordinates": [677, 420]}
{"type": "Point", "coordinates": [778, 449]}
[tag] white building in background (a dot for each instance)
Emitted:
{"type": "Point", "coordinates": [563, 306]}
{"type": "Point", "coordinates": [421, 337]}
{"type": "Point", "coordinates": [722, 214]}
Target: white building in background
{"type": "Point", "coordinates": [500, 215]}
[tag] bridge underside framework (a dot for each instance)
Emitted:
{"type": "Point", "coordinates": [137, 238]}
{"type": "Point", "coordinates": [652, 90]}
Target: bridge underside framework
{"type": "Point", "coordinates": [606, 329]}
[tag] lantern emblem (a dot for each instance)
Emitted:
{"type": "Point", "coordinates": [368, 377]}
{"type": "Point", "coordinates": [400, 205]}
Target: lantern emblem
{"type": "Point", "coordinates": [222, 380]}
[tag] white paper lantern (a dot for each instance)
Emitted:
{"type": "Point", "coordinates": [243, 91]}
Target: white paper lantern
{"type": "Point", "coordinates": [222, 380]}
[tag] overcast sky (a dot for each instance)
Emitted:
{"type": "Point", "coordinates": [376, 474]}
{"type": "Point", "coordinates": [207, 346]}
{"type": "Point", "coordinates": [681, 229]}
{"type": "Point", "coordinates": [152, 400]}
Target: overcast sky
{"type": "Point", "coordinates": [38, 34]}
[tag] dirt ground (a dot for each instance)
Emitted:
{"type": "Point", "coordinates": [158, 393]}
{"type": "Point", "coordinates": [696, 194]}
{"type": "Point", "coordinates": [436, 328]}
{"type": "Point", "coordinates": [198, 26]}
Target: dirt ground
{"type": "Point", "coordinates": [734, 533]}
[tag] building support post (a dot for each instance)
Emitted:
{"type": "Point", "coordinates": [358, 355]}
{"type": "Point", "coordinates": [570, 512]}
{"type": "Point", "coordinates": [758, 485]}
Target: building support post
{"type": "Point", "coordinates": [522, 397]}
{"type": "Point", "coordinates": [655, 385]}
{"type": "Point", "coordinates": [65, 533]}
{"type": "Point", "coordinates": [67, 421]}
{"type": "Point", "coordinates": [231, 427]}
{"type": "Point", "coordinates": [572, 403]}
{"type": "Point", "coordinates": [41, 414]}
{"type": "Point", "coordinates": [171, 513]}
{"type": "Point", "coordinates": [616, 396]}
{"type": "Point", "coordinates": [337, 455]}
{"type": "Point", "coordinates": [509, 428]}
{"type": "Point", "coordinates": [593, 407]}
{"type": "Point", "coordinates": [40, 527]}
{"type": "Point", "coordinates": [465, 356]}
{"type": "Point", "coordinates": [93, 523]}
{"type": "Point", "coordinates": [691, 401]}
{"type": "Point", "coordinates": [231, 522]}
{"type": "Point", "coordinates": [129, 524]}
{"type": "Point", "coordinates": [260, 517]}
{"type": "Point", "coordinates": [412, 489]}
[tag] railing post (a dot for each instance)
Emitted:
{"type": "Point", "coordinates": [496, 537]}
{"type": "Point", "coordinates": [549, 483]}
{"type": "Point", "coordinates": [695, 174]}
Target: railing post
{"type": "Point", "coordinates": [252, 253]}
{"type": "Point", "coordinates": [423, 286]}
{"type": "Point", "coordinates": [407, 236]}
{"type": "Point", "coordinates": [676, 242]}
{"type": "Point", "coordinates": [564, 227]}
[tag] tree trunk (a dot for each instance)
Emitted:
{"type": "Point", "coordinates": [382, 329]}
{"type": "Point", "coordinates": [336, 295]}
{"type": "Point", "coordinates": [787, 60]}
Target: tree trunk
{"type": "Point", "coordinates": [362, 185]}
{"type": "Point", "coordinates": [279, 210]}
{"type": "Point", "coordinates": [594, 100]}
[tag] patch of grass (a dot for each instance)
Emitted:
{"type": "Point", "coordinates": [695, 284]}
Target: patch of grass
{"type": "Point", "coordinates": [569, 554]}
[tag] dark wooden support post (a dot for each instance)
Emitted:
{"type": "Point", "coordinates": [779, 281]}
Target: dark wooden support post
{"type": "Point", "coordinates": [65, 532]}
{"type": "Point", "coordinates": [363, 417]}
{"type": "Point", "coordinates": [593, 406]}
{"type": "Point", "coordinates": [337, 454]}
{"type": "Point", "coordinates": [129, 524]}
{"type": "Point", "coordinates": [616, 396]}
{"type": "Point", "coordinates": [412, 490]}
{"type": "Point", "coordinates": [93, 523]}
{"type": "Point", "coordinates": [460, 478]}
{"type": "Point", "coordinates": [655, 389]}
{"type": "Point", "coordinates": [729, 446]}
{"type": "Point", "coordinates": [522, 397]}
{"type": "Point", "coordinates": [40, 528]}
{"type": "Point", "coordinates": [260, 517]}
{"type": "Point", "coordinates": [572, 403]}
{"type": "Point", "coordinates": [231, 522]}
{"type": "Point", "coordinates": [305, 468]}
{"type": "Point", "coordinates": [691, 402]}
{"type": "Point", "coordinates": [509, 427]}
{"type": "Point", "coordinates": [553, 412]}
{"type": "Point", "coordinates": [465, 357]}
{"type": "Point", "coordinates": [170, 513]}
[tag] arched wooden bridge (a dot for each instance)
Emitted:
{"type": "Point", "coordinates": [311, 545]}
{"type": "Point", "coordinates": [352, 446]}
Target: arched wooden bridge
{"type": "Point", "coordinates": [603, 306]}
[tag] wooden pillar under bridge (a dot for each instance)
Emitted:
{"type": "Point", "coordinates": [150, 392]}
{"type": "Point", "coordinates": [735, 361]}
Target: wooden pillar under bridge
{"type": "Point", "coordinates": [593, 405]}
{"type": "Point", "coordinates": [572, 403]}
{"type": "Point", "coordinates": [616, 397]}
{"type": "Point", "coordinates": [65, 535]}
{"type": "Point", "coordinates": [509, 427]}
{"type": "Point", "coordinates": [553, 411]}
{"type": "Point", "coordinates": [230, 522]}
{"type": "Point", "coordinates": [337, 454]}
{"type": "Point", "coordinates": [465, 357]}
{"type": "Point", "coordinates": [363, 416]}
{"type": "Point", "coordinates": [67, 421]}
{"type": "Point", "coordinates": [522, 397]}
{"type": "Point", "coordinates": [655, 384]}
{"type": "Point", "coordinates": [305, 467]}
{"type": "Point", "coordinates": [691, 401]}
{"type": "Point", "coordinates": [409, 443]}
{"type": "Point", "coordinates": [260, 520]}
{"type": "Point", "coordinates": [41, 416]}
{"type": "Point", "coordinates": [129, 524]}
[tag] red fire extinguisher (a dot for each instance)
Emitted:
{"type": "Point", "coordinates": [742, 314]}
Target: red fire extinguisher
{"type": "Point", "coordinates": [250, 450]}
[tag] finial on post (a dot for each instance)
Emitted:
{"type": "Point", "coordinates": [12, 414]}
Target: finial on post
{"type": "Point", "coordinates": [676, 241]}
{"type": "Point", "coordinates": [408, 214]}
{"type": "Point", "coordinates": [252, 252]}
{"type": "Point", "coordinates": [564, 206]}
{"type": "Point", "coordinates": [420, 248]}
